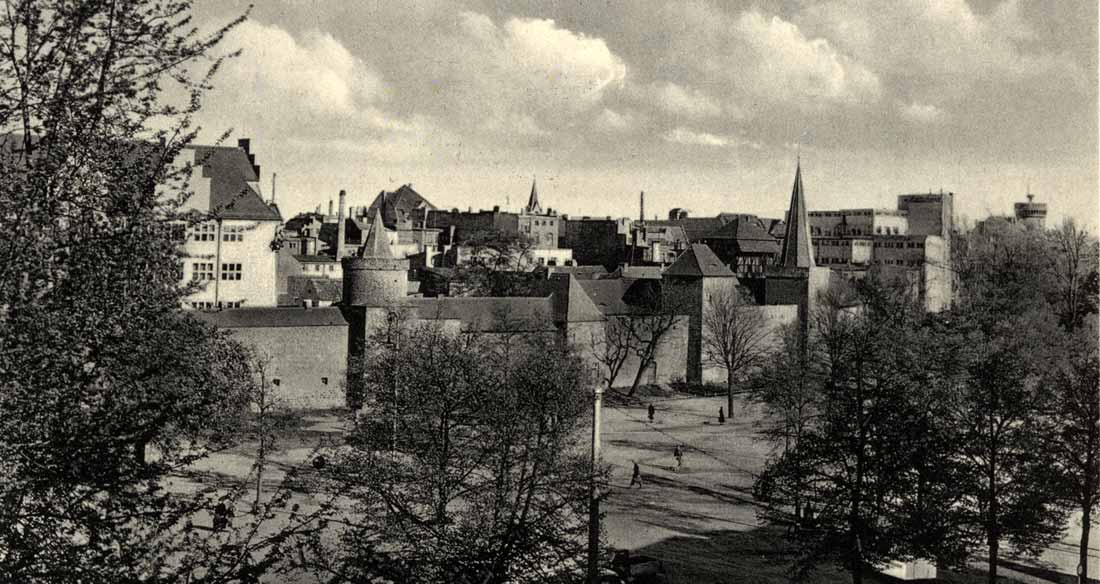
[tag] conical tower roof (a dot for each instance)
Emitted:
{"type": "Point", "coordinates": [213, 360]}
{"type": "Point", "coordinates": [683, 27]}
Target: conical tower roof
{"type": "Point", "coordinates": [376, 244]}
{"type": "Point", "coordinates": [798, 251]}
{"type": "Point", "coordinates": [533, 207]}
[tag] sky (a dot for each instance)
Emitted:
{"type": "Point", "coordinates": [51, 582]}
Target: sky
{"type": "Point", "coordinates": [702, 105]}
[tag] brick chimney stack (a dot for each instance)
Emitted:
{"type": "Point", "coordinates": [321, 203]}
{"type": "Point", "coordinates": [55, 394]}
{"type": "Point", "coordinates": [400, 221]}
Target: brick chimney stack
{"type": "Point", "coordinates": [341, 228]}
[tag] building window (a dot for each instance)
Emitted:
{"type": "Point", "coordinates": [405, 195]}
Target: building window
{"type": "Point", "coordinates": [231, 271]}
{"type": "Point", "coordinates": [332, 267]}
{"type": "Point", "coordinates": [233, 233]}
{"type": "Point", "coordinates": [204, 232]}
{"type": "Point", "coordinates": [202, 271]}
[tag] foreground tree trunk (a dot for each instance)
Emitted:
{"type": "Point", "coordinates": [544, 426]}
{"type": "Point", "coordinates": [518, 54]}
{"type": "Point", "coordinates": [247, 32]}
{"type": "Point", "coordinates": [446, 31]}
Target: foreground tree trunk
{"type": "Point", "coordinates": [1083, 546]}
{"type": "Point", "coordinates": [729, 395]}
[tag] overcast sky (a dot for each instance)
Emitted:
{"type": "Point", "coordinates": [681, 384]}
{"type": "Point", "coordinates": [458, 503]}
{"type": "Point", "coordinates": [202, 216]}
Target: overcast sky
{"type": "Point", "coordinates": [700, 104]}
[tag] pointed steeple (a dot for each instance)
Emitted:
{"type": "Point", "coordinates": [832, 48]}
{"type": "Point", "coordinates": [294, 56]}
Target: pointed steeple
{"type": "Point", "coordinates": [798, 251]}
{"type": "Point", "coordinates": [376, 244]}
{"type": "Point", "coordinates": [533, 207]}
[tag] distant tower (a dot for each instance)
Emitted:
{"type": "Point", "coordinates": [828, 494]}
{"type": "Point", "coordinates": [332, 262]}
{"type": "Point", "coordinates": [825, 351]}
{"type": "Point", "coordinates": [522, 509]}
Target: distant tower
{"type": "Point", "coordinates": [1033, 215]}
{"type": "Point", "coordinates": [641, 207]}
{"type": "Point", "coordinates": [375, 277]}
{"type": "Point", "coordinates": [533, 207]}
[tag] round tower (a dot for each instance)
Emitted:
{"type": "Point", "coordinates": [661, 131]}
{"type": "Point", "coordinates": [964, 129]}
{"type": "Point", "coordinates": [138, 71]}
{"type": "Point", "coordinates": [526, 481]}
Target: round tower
{"type": "Point", "coordinates": [374, 276]}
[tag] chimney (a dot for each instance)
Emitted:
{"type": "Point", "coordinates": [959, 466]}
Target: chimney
{"type": "Point", "coordinates": [244, 144]}
{"type": "Point", "coordinates": [274, 176]}
{"type": "Point", "coordinates": [641, 206]}
{"type": "Point", "coordinates": [330, 206]}
{"type": "Point", "coordinates": [340, 227]}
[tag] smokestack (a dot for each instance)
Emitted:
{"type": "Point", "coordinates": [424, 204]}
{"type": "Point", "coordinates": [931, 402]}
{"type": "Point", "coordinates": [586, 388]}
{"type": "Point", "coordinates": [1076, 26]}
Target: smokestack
{"type": "Point", "coordinates": [274, 176]}
{"type": "Point", "coordinates": [330, 206]}
{"type": "Point", "coordinates": [641, 206]}
{"type": "Point", "coordinates": [340, 227]}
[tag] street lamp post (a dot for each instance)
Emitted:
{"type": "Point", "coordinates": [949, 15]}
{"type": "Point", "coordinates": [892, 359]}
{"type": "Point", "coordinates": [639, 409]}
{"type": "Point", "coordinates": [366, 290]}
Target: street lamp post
{"type": "Point", "coordinates": [594, 493]}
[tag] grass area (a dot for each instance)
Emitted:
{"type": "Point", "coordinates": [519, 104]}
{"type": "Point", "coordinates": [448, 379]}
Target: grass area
{"type": "Point", "coordinates": [700, 520]}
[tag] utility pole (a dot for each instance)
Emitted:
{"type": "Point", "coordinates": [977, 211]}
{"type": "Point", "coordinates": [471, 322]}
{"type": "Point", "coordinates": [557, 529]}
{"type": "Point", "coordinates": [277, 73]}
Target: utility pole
{"type": "Point", "coordinates": [594, 491]}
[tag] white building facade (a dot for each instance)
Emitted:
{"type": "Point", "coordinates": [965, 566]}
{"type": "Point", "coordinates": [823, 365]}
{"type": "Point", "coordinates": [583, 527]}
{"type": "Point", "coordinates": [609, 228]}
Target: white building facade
{"type": "Point", "coordinates": [231, 256]}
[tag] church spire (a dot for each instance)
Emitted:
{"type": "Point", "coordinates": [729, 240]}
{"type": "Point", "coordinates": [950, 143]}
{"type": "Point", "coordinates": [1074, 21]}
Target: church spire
{"type": "Point", "coordinates": [798, 251]}
{"type": "Point", "coordinates": [533, 207]}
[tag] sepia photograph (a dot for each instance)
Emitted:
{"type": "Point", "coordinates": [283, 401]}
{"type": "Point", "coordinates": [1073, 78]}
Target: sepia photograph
{"type": "Point", "coordinates": [545, 291]}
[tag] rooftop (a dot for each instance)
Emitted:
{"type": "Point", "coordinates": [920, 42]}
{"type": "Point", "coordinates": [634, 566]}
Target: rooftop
{"type": "Point", "coordinates": [272, 317]}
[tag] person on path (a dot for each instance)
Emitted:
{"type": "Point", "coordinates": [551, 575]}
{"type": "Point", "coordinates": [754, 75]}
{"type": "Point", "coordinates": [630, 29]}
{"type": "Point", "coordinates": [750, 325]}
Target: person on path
{"type": "Point", "coordinates": [636, 478]}
{"type": "Point", "coordinates": [679, 454]}
{"type": "Point", "coordinates": [652, 410]}
{"type": "Point", "coordinates": [721, 415]}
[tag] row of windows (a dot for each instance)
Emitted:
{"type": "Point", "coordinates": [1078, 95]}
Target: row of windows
{"type": "Point", "coordinates": [889, 230]}
{"type": "Point", "coordinates": [201, 271]}
{"type": "Point", "coordinates": [319, 268]}
{"type": "Point", "coordinates": [900, 244]}
{"type": "Point", "coordinates": [213, 305]}
{"type": "Point", "coordinates": [231, 271]}
{"type": "Point", "coordinates": [826, 261]}
{"type": "Point", "coordinates": [233, 233]}
{"type": "Point", "coordinates": [209, 232]}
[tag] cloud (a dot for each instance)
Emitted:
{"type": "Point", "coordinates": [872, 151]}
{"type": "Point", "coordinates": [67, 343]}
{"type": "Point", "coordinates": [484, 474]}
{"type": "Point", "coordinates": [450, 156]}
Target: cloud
{"type": "Point", "coordinates": [316, 73]}
{"type": "Point", "coordinates": [941, 44]}
{"type": "Point", "coordinates": [683, 135]}
{"type": "Point", "coordinates": [612, 121]}
{"type": "Point", "coordinates": [685, 101]}
{"type": "Point", "coordinates": [526, 67]}
{"type": "Point", "coordinates": [788, 65]}
{"type": "Point", "coordinates": [922, 113]}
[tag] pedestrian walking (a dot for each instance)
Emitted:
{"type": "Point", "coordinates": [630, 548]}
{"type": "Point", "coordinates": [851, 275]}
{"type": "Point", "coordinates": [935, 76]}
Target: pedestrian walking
{"type": "Point", "coordinates": [721, 415]}
{"type": "Point", "coordinates": [679, 454]}
{"type": "Point", "coordinates": [652, 410]}
{"type": "Point", "coordinates": [636, 478]}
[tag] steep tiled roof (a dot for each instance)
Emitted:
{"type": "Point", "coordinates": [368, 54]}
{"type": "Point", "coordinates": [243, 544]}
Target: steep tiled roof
{"type": "Point", "coordinates": [400, 204]}
{"type": "Point", "coordinates": [324, 290]}
{"type": "Point", "coordinates": [272, 317]}
{"type": "Point", "coordinates": [698, 261]}
{"type": "Point", "coordinates": [695, 228]}
{"type": "Point", "coordinates": [751, 235]}
{"type": "Point", "coordinates": [300, 220]}
{"type": "Point", "coordinates": [231, 195]}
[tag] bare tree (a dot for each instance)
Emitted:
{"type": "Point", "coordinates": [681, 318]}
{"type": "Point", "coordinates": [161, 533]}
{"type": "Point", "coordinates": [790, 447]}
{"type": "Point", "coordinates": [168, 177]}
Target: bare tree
{"type": "Point", "coordinates": [1076, 443]}
{"type": "Point", "coordinates": [1074, 269]}
{"type": "Point", "coordinates": [735, 336]}
{"type": "Point", "coordinates": [485, 478]}
{"type": "Point", "coordinates": [268, 416]}
{"type": "Point", "coordinates": [612, 346]}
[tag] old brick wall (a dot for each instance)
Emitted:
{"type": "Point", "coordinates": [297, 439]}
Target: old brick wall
{"type": "Point", "coordinates": [308, 362]}
{"type": "Point", "coordinates": [669, 364]}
